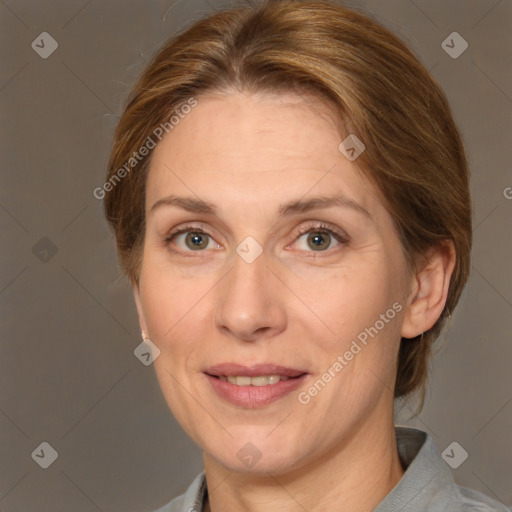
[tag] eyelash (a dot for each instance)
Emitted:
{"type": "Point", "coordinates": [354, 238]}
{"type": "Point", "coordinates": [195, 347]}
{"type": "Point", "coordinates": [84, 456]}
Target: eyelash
{"type": "Point", "coordinates": [316, 228]}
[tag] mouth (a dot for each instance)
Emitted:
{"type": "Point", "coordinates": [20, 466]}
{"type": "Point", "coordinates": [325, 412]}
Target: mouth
{"type": "Point", "coordinates": [253, 386]}
{"type": "Point", "coordinates": [262, 374]}
{"type": "Point", "coordinates": [245, 380]}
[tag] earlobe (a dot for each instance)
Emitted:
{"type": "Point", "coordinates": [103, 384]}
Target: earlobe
{"type": "Point", "coordinates": [138, 303]}
{"type": "Point", "coordinates": [429, 291]}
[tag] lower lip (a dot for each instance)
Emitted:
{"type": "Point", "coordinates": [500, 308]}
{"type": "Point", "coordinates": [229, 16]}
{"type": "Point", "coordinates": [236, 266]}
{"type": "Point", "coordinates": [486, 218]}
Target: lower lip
{"type": "Point", "coordinates": [254, 396]}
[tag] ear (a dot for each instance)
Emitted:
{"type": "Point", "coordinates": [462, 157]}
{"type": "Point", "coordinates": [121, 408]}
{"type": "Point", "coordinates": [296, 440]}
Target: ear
{"type": "Point", "coordinates": [138, 303]}
{"type": "Point", "coordinates": [429, 290]}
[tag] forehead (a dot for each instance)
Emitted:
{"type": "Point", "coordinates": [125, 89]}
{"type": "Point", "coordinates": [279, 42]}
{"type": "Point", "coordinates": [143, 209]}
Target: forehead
{"type": "Point", "coordinates": [256, 150]}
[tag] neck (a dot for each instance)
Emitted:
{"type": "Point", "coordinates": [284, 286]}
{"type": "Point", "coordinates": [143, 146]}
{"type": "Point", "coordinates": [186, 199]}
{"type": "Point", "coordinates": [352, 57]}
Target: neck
{"type": "Point", "coordinates": [354, 476]}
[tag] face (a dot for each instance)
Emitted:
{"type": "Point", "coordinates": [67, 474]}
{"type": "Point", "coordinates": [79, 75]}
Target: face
{"type": "Point", "coordinates": [269, 259]}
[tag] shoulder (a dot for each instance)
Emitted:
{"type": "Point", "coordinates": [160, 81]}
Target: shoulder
{"type": "Point", "coordinates": [474, 501]}
{"type": "Point", "coordinates": [427, 484]}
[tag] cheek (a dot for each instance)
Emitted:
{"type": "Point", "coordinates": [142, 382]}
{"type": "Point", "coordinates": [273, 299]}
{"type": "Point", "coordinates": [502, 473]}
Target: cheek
{"type": "Point", "coordinates": [171, 305]}
{"type": "Point", "coordinates": [354, 334]}
{"type": "Point", "coordinates": [175, 313]}
{"type": "Point", "coordinates": [345, 300]}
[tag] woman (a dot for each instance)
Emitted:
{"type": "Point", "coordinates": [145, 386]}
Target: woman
{"type": "Point", "coordinates": [278, 187]}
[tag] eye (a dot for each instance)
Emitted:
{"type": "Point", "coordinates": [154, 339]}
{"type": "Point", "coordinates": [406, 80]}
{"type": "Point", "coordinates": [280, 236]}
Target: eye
{"type": "Point", "coordinates": [191, 238]}
{"type": "Point", "coordinates": [312, 238]}
{"type": "Point", "coordinates": [319, 238]}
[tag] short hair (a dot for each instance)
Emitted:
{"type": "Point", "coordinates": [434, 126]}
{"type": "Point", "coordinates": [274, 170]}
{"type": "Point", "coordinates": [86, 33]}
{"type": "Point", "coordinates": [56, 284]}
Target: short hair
{"type": "Point", "coordinates": [414, 153]}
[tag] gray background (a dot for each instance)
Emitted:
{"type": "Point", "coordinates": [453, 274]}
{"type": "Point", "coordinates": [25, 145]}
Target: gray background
{"type": "Point", "coordinates": [68, 375]}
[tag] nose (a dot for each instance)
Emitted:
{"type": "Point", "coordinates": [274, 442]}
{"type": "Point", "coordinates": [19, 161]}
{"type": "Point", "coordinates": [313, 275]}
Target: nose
{"type": "Point", "coordinates": [251, 302]}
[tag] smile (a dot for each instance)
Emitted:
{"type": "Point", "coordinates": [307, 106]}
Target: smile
{"type": "Point", "coordinates": [262, 380]}
{"type": "Point", "coordinates": [253, 386]}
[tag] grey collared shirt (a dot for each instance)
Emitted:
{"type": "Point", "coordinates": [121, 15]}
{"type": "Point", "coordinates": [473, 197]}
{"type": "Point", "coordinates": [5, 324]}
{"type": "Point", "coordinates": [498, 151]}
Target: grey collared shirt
{"type": "Point", "coordinates": [426, 486]}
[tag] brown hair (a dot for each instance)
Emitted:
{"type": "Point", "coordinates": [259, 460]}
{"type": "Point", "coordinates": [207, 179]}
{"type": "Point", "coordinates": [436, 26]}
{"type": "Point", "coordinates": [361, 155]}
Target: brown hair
{"type": "Point", "coordinates": [382, 93]}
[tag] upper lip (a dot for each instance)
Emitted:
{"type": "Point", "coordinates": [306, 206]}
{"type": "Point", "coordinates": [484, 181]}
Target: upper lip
{"type": "Point", "coordinates": [255, 370]}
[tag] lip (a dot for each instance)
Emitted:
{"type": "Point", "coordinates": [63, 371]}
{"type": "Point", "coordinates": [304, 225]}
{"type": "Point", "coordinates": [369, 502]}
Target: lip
{"type": "Point", "coordinates": [256, 370]}
{"type": "Point", "coordinates": [253, 397]}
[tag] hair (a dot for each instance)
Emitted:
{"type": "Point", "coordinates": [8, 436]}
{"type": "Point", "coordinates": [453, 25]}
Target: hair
{"type": "Point", "coordinates": [378, 88]}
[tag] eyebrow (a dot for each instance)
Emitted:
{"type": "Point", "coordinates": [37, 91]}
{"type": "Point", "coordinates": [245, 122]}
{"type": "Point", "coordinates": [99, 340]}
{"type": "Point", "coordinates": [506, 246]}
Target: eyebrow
{"type": "Point", "coordinates": [195, 205]}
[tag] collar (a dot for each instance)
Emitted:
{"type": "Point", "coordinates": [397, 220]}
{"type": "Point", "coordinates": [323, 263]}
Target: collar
{"type": "Point", "coordinates": [426, 480]}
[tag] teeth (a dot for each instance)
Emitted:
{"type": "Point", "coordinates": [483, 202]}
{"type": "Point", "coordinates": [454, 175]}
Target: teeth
{"type": "Point", "coordinates": [240, 381]}
{"type": "Point", "coordinates": [261, 380]}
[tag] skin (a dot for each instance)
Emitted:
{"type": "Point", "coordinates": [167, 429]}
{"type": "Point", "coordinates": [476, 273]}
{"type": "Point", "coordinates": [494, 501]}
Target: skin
{"type": "Point", "coordinates": [295, 305]}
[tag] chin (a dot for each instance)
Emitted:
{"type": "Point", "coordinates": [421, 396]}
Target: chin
{"type": "Point", "coordinates": [257, 455]}
{"type": "Point", "coordinates": [263, 466]}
